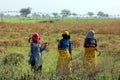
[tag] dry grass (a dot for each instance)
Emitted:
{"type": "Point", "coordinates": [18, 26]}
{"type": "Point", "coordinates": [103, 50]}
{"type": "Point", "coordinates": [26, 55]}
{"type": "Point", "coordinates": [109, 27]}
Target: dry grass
{"type": "Point", "coordinates": [76, 43]}
{"type": "Point", "coordinates": [18, 35]}
{"type": "Point", "coordinates": [102, 28]}
{"type": "Point", "coordinates": [2, 50]}
{"type": "Point", "coordinates": [22, 31]}
{"type": "Point", "coordinates": [4, 43]}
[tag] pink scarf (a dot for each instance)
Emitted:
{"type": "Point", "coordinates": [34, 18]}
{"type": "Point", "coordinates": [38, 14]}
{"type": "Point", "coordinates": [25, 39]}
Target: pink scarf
{"type": "Point", "coordinates": [36, 38]}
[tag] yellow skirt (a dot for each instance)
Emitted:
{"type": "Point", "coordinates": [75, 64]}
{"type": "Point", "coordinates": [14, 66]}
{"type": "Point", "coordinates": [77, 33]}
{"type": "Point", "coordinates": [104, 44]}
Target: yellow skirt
{"type": "Point", "coordinates": [64, 63]}
{"type": "Point", "coordinates": [90, 59]}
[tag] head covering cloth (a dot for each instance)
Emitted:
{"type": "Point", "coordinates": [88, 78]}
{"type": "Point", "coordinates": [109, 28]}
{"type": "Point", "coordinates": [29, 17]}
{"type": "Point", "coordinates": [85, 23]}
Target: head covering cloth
{"type": "Point", "coordinates": [90, 34]}
{"type": "Point", "coordinates": [36, 38]}
{"type": "Point", "coordinates": [66, 35]}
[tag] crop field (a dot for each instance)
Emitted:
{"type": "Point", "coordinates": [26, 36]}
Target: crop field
{"type": "Point", "coordinates": [15, 48]}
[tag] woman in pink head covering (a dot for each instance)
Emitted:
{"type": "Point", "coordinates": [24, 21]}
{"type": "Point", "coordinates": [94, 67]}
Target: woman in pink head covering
{"type": "Point", "coordinates": [36, 38]}
{"type": "Point", "coordinates": [36, 53]}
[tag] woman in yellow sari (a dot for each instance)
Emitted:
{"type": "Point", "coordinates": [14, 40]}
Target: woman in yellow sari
{"type": "Point", "coordinates": [64, 63]}
{"type": "Point", "coordinates": [90, 57]}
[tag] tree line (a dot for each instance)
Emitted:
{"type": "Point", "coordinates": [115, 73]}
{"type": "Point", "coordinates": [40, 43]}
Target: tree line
{"type": "Point", "coordinates": [65, 13]}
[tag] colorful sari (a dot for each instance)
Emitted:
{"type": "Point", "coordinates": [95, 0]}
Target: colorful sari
{"type": "Point", "coordinates": [64, 63]}
{"type": "Point", "coordinates": [90, 60]}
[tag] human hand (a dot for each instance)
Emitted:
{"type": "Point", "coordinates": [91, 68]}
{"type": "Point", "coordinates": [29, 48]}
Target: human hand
{"type": "Point", "coordinates": [45, 44]}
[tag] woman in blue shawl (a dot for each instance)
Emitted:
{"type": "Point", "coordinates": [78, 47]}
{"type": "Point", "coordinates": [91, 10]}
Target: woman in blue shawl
{"type": "Point", "coordinates": [90, 58]}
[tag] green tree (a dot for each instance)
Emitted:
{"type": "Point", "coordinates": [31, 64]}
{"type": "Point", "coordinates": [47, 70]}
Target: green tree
{"type": "Point", "coordinates": [90, 14]}
{"type": "Point", "coordinates": [25, 11]}
{"type": "Point", "coordinates": [106, 15]}
{"type": "Point", "coordinates": [100, 14]}
{"type": "Point", "coordinates": [65, 13]}
{"type": "Point", "coordinates": [55, 14]}
{"type": "Point", "coordinates": [74, 14]}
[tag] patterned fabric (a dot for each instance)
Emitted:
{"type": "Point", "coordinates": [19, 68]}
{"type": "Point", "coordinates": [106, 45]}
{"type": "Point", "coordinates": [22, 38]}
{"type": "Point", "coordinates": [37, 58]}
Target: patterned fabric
{"type": "Point", "coordinates": [36, 56]}
{"type": "Point", "coordinates": [90, 42]}
{"type": "Point", "coordinates": [90, 59]}
{"type": "Point", "coordinates": [64, 63]}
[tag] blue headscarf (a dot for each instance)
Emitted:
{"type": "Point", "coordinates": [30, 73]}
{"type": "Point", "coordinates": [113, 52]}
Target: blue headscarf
{"type": "Point", "coordinates": [90, 34]}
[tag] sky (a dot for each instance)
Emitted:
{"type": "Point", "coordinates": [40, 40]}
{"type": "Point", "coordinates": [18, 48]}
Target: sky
{"type": "Point", "coordinates": [111, 7]}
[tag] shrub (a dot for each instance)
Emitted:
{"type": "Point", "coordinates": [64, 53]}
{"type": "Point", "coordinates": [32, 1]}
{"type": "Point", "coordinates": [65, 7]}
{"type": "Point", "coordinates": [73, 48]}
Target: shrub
{"type": "Point", "coordinates": [13, 59]}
